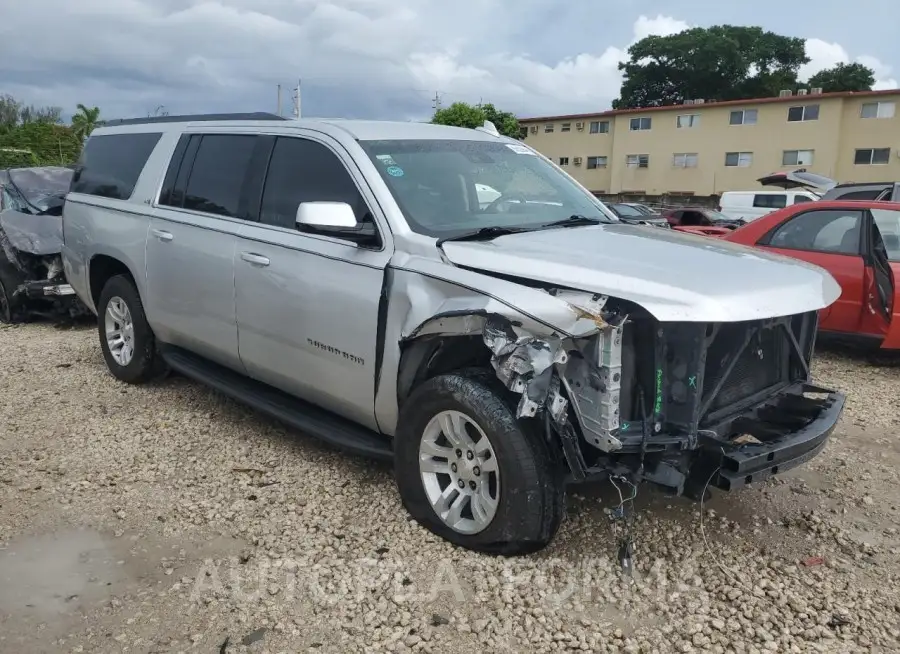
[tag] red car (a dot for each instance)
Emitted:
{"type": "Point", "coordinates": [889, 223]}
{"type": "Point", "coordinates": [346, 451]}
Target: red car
{"type": "Point", "coordinates": [858, 242]}
{"type": "Point", "coordinates": [700, 220]}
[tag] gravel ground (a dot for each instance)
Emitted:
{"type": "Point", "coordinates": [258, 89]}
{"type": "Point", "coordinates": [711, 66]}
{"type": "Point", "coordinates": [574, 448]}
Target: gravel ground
{"type": "Point", "coordinates": [166, 519]}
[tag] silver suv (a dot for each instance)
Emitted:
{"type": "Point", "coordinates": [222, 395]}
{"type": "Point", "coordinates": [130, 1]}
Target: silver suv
{"type": "Point", "coordinates": [344, 277]}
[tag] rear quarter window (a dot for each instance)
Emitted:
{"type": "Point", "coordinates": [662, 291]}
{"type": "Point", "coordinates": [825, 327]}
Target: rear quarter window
{"type": "Point", "coordinates": [770, 200]}
{"type": "Point", "coordinates": [110, 165]}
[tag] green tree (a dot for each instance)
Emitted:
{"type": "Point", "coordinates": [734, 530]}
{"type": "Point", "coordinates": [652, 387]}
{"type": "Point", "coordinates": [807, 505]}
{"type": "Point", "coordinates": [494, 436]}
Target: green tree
{"type": "Point", "coordinates": [33, 114]}
{"type": "Point", "coordinates": [10, 112]}
{"type": "Point", "coordinates": [85, 120]}
{"type": "Point", "coordinates": [843, 77]}
{"type": "Point", "coordinates": [461, 114]}
{"type": "Point", "coordinates": [723, 62]}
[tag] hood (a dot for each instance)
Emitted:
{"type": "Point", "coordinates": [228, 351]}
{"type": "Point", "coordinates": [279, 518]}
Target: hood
{"type": "Point", "coordinates": [674, 276]}
{"type": "Point", "coordinates": [799, 178]}
{"type": "Point", "coordinates": [34, 234]}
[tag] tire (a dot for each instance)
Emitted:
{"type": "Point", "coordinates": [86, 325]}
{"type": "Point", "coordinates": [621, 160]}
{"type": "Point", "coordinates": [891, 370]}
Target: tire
{"type": "Point", "coordinates": [530, 489]}
{"type": "Point", "coordinates": [10, 279]}
{"type": "Point", "coordinates": [145, 363]}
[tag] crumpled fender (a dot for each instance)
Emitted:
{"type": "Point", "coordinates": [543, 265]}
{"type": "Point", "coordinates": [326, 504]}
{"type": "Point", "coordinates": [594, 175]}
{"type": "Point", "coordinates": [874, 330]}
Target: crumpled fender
{"type": "Point", "coordinates": [526, 331]}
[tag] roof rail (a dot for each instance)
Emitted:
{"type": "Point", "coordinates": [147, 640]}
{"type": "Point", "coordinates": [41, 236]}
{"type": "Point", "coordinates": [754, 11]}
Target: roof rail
{"type": "Point", "coordinates": [189, 118]}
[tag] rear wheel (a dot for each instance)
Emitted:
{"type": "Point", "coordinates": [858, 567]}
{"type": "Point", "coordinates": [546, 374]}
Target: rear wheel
{"type": "Point", "coordinates": [126, 339]}
{"type": "Point", "coordinates": [472, 473]}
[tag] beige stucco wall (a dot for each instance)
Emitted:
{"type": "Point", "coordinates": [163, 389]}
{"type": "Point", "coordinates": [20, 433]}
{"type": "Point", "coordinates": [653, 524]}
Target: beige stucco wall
{"type": "Point", "coordinates": [834, 137]}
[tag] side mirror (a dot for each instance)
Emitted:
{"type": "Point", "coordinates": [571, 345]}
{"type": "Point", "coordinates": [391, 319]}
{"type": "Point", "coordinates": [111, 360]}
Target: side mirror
{"type": "Point", "coordinates": [335, 219]}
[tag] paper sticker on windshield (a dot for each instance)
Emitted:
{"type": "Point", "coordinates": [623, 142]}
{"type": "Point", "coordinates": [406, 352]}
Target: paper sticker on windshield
{"type": "Point", "coordinates": [519, 149]}
{"type": "Point", "coordinates": [395, 171]}
{"type": "Point", "coordinates": [386, 159]}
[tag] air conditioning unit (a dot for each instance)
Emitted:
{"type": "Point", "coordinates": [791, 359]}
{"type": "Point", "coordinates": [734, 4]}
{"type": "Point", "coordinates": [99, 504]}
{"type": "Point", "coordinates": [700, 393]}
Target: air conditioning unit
{"type": "Point", "coordinates": [817, 90]}
{"type": "Point", "coordinates": [577, 161]}
{"type": "Point", "coordinates": [700, 101]}
{"type": "Point", "coordinates": [533, 129]}
{"type": "Point", "coordinates": [802, 91]}
{"type": "Point", "coordinates": [579, 126]}
{"type": "Point", "coordinates": [785, 93]}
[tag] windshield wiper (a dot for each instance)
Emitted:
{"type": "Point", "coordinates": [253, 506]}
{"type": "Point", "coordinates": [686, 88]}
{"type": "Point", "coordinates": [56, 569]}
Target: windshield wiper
{"type": "Point", "coordinates": [573, 221]}
{"type": "Point", "coordinates": [482, 234]}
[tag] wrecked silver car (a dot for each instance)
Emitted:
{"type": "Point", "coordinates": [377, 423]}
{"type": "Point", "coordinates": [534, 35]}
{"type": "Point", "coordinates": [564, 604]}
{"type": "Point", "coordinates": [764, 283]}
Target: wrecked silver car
{"type": "Point", "coordinates": [32, 281]}
{"type": "Point", "coordinates": [354, 280]}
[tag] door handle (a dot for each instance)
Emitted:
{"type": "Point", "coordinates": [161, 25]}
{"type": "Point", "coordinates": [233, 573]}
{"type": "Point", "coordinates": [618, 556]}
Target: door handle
{"type": "Point", "coordinates": [255, 259]}
{"type": "Point", "coordinates": [161, 235]}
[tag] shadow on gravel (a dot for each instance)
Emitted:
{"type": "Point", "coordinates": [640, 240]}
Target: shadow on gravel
{"type": "Point", "coordinates": [860, 353]}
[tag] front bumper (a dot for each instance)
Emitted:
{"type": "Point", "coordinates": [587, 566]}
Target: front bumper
{"type": "Point", "coordinates": [741, 465]}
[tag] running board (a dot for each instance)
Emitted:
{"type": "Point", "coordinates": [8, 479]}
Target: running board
{"type": "Point", "coordinates": [303, 416]}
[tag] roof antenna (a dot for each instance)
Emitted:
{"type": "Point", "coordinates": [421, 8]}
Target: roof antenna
{"type": "Point", "coordinates": [488, 127]}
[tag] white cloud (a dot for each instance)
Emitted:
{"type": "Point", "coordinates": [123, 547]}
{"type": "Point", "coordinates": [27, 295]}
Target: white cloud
{"type": "Point", "coordinates": [356, 57]}
{"type": "Point", "coordinates": [828, 55]}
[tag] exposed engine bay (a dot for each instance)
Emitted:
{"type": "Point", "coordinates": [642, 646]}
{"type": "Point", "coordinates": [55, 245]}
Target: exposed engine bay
{"type": "Point", "coordinates": [669, 403]}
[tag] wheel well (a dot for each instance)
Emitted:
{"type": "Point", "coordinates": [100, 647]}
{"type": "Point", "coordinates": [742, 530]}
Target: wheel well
{"type": "Point", "coordinates": [102, 268]}
{"type": "Point", "coordinates": [430, 356]}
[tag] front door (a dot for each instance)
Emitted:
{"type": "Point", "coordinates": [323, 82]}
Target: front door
{"type": "Point", "coordinates": [833, 240]}
{"type": "Point", "coordinates": [192, 242]}
{"type": "Point", "coordinates": [307, 303]}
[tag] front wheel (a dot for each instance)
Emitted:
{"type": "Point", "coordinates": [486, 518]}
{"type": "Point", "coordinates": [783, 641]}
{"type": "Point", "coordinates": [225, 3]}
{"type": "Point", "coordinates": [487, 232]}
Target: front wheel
{"type": "Point", "coordinates": [472, 473]}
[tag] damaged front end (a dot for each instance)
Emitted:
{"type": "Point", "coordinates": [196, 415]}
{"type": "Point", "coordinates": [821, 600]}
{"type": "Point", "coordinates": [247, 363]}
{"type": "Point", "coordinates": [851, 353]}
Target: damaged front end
{"type": "Point", "coordinates": [681, 404]}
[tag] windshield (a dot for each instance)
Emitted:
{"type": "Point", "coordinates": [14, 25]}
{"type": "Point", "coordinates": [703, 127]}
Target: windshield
{"type": "Point", "coordinates": [40, 185]}
{"type": "Point", "coordinates": [626, 211]}
{"type": "Point", "coordinates": [447, 187]}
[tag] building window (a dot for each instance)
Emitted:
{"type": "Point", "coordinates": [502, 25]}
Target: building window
{"type": "Point", "coordinates": [563, 161]}
{"type": "Point", "coordinates": [566, 127]}
{"type": "Point", "coordinates": [684, 160]}
{"type": "Point", "coordinates": [803, 114]}
{"type": "Point", "coordinates": [596, 162]}
{"type": "Point", "coordinates": [738, 159]}
{"type": "Point", "coordinates": [872, 157]}
{"type": "Point", "coordinates": [877, 110]}
{"type": "Point", "coordinates": [797, 158]}
{"type": "Point", "coordinates": [687, 120]}
{"type": "Point", "coordinates": [743, 117]}
{"type": "Point", "coordinates": [548, 128]}
{"type": "Point", "coordinates": [600, 127]}
{"type": "Point", "coordinates": [639, 124]}
{"type": "Point", "coordinates": [637, 161]}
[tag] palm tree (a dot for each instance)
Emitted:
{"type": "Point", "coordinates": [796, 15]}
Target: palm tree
{"type": "Point", "coordinates": [85, 120]}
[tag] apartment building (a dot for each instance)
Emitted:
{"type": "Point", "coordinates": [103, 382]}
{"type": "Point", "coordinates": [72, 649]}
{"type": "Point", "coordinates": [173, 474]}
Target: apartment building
{"type": "Point", "coordinates": [704, 148]}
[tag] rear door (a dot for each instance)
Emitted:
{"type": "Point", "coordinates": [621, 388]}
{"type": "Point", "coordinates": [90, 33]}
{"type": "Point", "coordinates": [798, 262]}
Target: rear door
{"type": "Point", "coordinates": [831, 239]}
{"type": "Point", "coordinates": [885, 256]}
{"type": "Point", "coordinates": [192, 241]}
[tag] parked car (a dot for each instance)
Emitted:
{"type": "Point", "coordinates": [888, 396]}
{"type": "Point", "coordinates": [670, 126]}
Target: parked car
{"type": "Point", "coordinates": [634, 216]}
{"type": "Point", "coordinates": [31, 271]}
{"type": "Point", "coordinates": [827, 189]}
{"type": "Point", "coordinates": [882, 191]}
{"type": "Point", "coordinates": [750, 205]}
{"type": "Point", "coordinates": [643, 208]}
{"type": "Point", "coordinates": [858, 242]}
{"type": "Point", "coordinates": [700, 220]}
{"type": "Point", "coordinates": [343, 277]}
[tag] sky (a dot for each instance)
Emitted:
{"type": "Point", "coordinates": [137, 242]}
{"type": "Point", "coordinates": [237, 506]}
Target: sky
{"type": "Point", "coordinates": [382, 60]}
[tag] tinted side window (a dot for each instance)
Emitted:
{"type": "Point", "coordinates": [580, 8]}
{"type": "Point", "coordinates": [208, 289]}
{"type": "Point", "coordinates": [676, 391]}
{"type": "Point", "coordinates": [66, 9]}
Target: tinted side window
{"type": "Point", "coordinates": [770, 201]}
{"type": "Point", "coordinates": [869, 194]}
{"type": "Point", "coordinates": [217, 177]}
{"type": "Point", "coordinates": [833, 231]}
{"type": "Point", "coordinates": [110, 165]}
{"type": "Point", "coordinates": [305, 171]}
